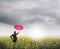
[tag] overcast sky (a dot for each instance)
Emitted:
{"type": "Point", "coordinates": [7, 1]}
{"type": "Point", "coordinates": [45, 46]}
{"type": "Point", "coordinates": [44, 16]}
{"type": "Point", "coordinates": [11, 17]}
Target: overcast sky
{"type": "Point", "coordinates": [42, 13]}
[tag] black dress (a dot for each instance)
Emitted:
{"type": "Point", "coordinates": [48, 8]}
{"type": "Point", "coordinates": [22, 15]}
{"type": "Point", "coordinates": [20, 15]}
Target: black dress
{"type": "Point", "coordinates": [14, 37]}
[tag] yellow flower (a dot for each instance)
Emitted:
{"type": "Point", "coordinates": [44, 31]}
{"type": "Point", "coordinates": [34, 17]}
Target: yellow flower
{"type": "Point", "coordinates": [13, 43]}
{"type": "Point", "coordinates": [54, 44]}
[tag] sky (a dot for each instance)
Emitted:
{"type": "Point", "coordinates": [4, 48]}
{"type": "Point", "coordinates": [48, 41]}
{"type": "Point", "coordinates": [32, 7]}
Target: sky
{"type": "Point", "coordinates": [39, 17]}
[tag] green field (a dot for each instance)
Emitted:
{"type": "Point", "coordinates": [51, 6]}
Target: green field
{"type": "Point", "coordinates": [27, 43]}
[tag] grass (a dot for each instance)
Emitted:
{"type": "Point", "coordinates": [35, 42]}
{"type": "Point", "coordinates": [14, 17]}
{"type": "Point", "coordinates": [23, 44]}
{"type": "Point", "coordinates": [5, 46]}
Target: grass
{"type": "Point", "coordinates": [28, 43]}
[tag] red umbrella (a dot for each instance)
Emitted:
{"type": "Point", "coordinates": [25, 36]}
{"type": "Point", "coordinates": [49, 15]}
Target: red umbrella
{"type": "Point", "coordinates": [18, 27]}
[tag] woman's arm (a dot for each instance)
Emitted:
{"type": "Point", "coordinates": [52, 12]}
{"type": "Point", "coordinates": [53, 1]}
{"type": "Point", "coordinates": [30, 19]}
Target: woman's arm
{"type": "Point", "coordinates": [17, 33]}
{"type": "Point", "coordinates": [11, 36]}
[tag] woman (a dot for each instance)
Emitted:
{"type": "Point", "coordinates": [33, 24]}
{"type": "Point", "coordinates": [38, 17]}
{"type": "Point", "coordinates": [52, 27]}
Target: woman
{"type": "Point", "coordinates": [14, 36]}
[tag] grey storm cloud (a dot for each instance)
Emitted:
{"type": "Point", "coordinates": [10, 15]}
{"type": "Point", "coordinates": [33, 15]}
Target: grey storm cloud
{"type": "Point", "coordinates": [30, 11]}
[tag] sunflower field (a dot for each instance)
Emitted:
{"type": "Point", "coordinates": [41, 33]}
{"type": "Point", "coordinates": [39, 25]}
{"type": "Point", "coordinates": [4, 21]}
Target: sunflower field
{"type": "Point", "coordinates": [28, 43]}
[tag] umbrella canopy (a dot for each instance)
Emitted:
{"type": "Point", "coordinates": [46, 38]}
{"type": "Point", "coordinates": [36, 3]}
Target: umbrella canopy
{"type": "Point", "coordinates": [18, 27]}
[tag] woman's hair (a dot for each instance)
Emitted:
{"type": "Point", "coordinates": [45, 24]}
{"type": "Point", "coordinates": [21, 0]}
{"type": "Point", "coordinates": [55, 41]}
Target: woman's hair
{"type": "Point", "coordinates": [14, 31]}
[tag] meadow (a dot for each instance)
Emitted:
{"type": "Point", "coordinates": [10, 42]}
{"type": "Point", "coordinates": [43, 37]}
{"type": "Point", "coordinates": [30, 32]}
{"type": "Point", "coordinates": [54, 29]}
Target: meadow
{"type": "Point", "coordinates": [28, 43]}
